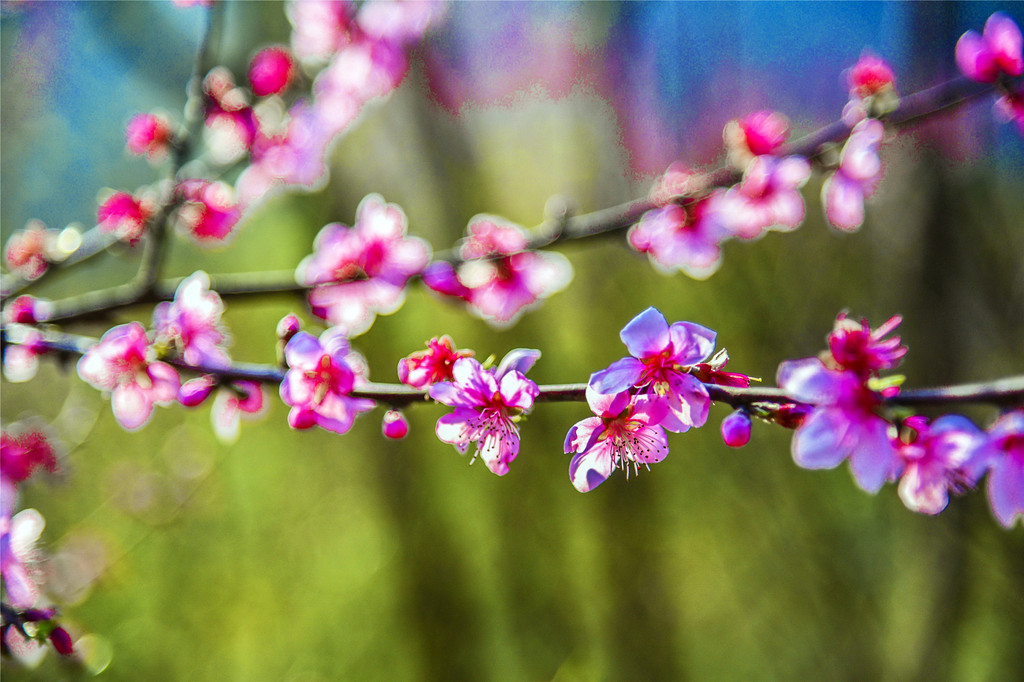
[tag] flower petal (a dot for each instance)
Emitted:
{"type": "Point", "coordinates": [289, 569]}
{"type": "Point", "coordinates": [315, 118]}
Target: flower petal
{"type": "Point", "coordinates": [646, 334]}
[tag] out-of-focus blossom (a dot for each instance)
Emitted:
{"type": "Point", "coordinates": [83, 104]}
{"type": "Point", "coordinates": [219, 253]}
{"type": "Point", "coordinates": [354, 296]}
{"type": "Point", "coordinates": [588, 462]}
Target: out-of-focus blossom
{"type": "Point", "coordinates": [28, 251]}
{"type": "Point", "coordinates": [856, 347]}
{"type": "Point", "coordinates": [28, 310]}
{"type": "Point", "coordinates": [194, 391]}
{"type": "Point", "coordinates": [320, 28]}
{"type": "Point", "coordinates": [122, 363]}
{"type": "Point", "coordinates": [498, 278]}
{"type": "Point", "coordinates": [271, 71]}
{"type": "Point", "coordinates": [21, 359]}
{"type": "Point", "coordinates": [736, 429]}
{"type": "Point", "coordinates": [394, 425]}
{"type": "Point", "coordinates": [1002, 455]}
{"type": "Point", "coordinates": [360, 272]}
{"type": "Point", "coordinates": [231, 125]}
{"type": "Point", "coordinates": [843, 424]}
{"type": "Point", "coordinates": [234, 401]}
{"type": "Point", "coordinates": [860, 169]}
{"type": "Point", "coordinates": [757, 134]}
{"type": "Point", "coordinates": [996, 51]}
{"type": "Point", "coordinates": [124, 216]}
{"type": "Point", "coordinates": [18, 536]}
{"type": "Point", "coordinates": [686, 238]}
{"type": "Point", "coordinates": [662, 356]}
{"type": "Point", "coordinates": [208, 213]}
{"type": "Point", "coordinates": [872, 85]}
{"type": "Point", "coordinates": [768, 197]}
{"type": "Point", "coordinates": [934, 458]}
{"type": "Point", "coordinates": [318, 385]}
{"type": "Point", "coordinates": [426, 367]}
{"type": "Point", "coordinates": [1011, 107]}
{"type": "Point", "coordinates": [487, 405]}
{"type": "Point", "coordinates": [625, 431]}
{"type": "Point", "coordinates": [190, 324]}
{"type": "Point", "coordinates": [22, 452]}
{"type": "Point", "coordinates": [150, 135]}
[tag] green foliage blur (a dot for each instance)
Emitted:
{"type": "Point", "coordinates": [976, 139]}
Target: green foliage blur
{"type": "Point", "coordinates": [312, 556]}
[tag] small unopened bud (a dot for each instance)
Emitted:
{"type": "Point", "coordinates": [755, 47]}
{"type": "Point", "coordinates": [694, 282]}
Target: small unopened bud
{"type": "Point", "coordinates": [288, 327]}
{"type": "Point", "coordinates": [61, 641]}
{"type": "Point", "coordinates": [271, 71]}
{"type": "Point", "coordinates": [195, 391]}
{"type": "Point", "coordinates": [791, 415]}
{"type": "Point", "coordinates": [736, 429]}
{"type": "Point", "coordinates": [395, 425]}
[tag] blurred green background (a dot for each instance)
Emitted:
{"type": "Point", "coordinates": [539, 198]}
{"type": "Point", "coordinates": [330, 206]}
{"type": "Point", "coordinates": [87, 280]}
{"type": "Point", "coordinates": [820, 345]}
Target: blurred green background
{"type": "Point", "coordinates": [312, 556]}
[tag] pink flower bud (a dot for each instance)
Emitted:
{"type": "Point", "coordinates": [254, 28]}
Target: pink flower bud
{"type": "Point", "coordinates": [27, 252]}
{"type": "Point", "coordinates": [271, 71]}
{"type": "Point", "coordinates": [870, 76]}
{"type": "Point", "coordinates": [149, 134]}
{"type": "Point", "coordinates": [61, 641]}
{"type": "Point", "coordinates": [125, 216]}
{"type": "Point", "coordinates": [764, 131]}
{"type": "Point", "coordinates": [28, 310]}
{"type": "Point", "coordinates": [395, 425]}
{"type": "Point", "coordinates": [288, 327]}
{"type": "Point", "coordinates": [736, 429]}
{"type": "Point", "coordinates": [195, 391]}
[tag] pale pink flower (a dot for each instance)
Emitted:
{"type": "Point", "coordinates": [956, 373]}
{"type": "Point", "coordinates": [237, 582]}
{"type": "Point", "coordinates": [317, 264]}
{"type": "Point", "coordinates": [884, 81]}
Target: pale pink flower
{"type": "Point", "coordinates": [125, 216]}
{"type": "Point", "coordinates": [360, 272]}
{"type": "Point", "coordinates": [768, 197]}
{"type": "Point", "coordinates": [18, 536]}
{"type": "Point", "coordinates": [934, 460]}
{"type": "Point", "coordinates": [208, 213]}
{"type": "Point", "coordinates": [860, 169]}
{"type": "Point", "coordinates": [498, 278]}
{"type": "Point", "coordinates": [662, 357]}
{"type": "Point", "coordinates": [626, 432]}
{"type": "Point", "coordinates": [320, 28]}
{"type": "Point", "coordinates": [426, 367]}
{"type": "Point", "coordinates": [190, 324]}
{"type": "Point", "coordinates": [321, 376]}
{"type": "Point", "coordinates": [271, 70]}
{"type": "Point", "coordinates": [21, 359]}
{"type": "Point", "coordinates": [685, 238]}
{"type": "Point", "coordinates": [123, 363]}
{"type": "Point", "coordinates": [487, 405]}
{"type": "Point", "coordinates": [28, 251]}
{"type": "Point", "coordinates": [995, 52]}
{"type": "Point", "coordinates": [235, 401]}
{"type": "Point", "coordinates": [150, 135]}
{"type": "Point", "coordinates": [1002, 455]}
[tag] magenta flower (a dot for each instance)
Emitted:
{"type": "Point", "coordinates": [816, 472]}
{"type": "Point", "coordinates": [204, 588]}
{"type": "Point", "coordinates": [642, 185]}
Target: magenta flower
{"type": "Point", "coordinates": [150, 135]}
{"type": "Point", "coordinates": [394, 425]}
{"type": "Point", "coordinates": [856, 347]}
{"type": "Point", "coordinates": [271, 71]}
{"type": "Point", "coordinates": [1003, 456]}
{"type": "Point", "coordinates": [844, 192]}
{"type": "Point", "coordinates": [870, 76]}
{"type": "Point", "coordinates": [682, 238]}
{"type": "Point", "coordinates": [768, 197]}
{"type": "Point", "coordinates": [736, 429]}
{"type": "Point", "coordinates": [208, 213]}
{"type": "Point", "coordinates": [122, 363]}
{"type": "Point", "coordinates": [626, 431]}
{"type": "Point", "coordinates": [499, 279]}
{"type": "Point", "coordinates": [662, 358]}
{"type": "Point", "coordinates": [426, 367]}
{"type": "Point", "coordinates": [359, 272]}
{"type": "Point", "coordinates": [28, 251]}
{"type": "Point", "coordinates": [318, 385]}
{"type": "Point", "coordinates": [995, 52]}
{"type": "Point", "coordinates": [190, 324]}
{"type": "Point", "coordinates": [934, 461]}
{"type": "Point", "coordinates": [756, 134]}
{"type": "Point", "coordinates": [28, 310]}
{"type": "Point", "coordinates": [124, 216]}
{"type": "Point", "coordinates": [487, 405]}
{"type": "Point", "coordinates": [844, 422]}
{"type": "Point", "coordinates": [22, 453]}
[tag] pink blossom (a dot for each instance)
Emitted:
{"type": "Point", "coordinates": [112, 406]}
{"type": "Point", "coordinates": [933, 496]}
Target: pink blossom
{"type": "Point", "coordinates": [757, 134]}
{"type": "Point", "coordinates": [1002, 455]}
{"type": "Point", "coordinates": [320, 28]}
{"type": "Point", "coordinates": [190, 324]}
{"type": "Point", "coordinates": [686, 238]}
{"type": "Point", "coordinates": [498, 278]}
{"type": "Point", "coordinates": [124, 216]}
{"type": "Point", "coordinates": [235, 401]}
{"type": "Point", "coordinates": [426, 367]}
{"type": "Point", "coordinates": [997, 51]}
{"type": "Point", "coordinates": [710, 372]}
{"type": "Point", "coordinates": [1011, 108]}
{"type": "Point", "coordinates": [844, 422]}
{"type": "Point", "coordinates": [860, 169]}
{"type": "Point", "coordinates": [21, 358]}
{"type": "Point", "coordinates": [768, 197]}
{"type": "Point", "coordinates": [28, 310]}
{"type": "Point", "coordinates": [359, 272]}
{"type": "Point", "coordinates": [271, 71]}
{"type": "Point", "coordinates": [736, 429]}
{"type": "Point", "coordinates": [27, 253]}
{"type": "Point", "coordinates": [662, 357]}
{"type": "Point", "coordinates": [934, 458]}
{"type": "Point", "coordinates": [149, 134]}
{"type": "Point", "coordinates": [487, 405]}
{"type": "Point", "coordinates": [23, 452]}
{"type": "Point", "coordinates": [856, 347]}
{"type": "Point", "coordinates": [208, 213]}
{"type": "Point", "coordinates": [18, 536]}
{"type": "Point", "coordinates": [394, 425]}
{"type": "Point", "coordinates": [625, 432]}
{"type": "Point", "coordinates": [321, 376]}
{"type": "Point", "coordinates": [870, 76]}
{"type": "Point", "coordinates": [122, 363]}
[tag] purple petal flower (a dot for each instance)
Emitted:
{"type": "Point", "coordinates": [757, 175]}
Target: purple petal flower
{"type": "Point", "coordinates": [191, 323]}
{"type": "Point", "coordinates": [486, 411]}
{"type": "Point", "coordinates": [844, 192]}
{"type": "Point", "coordinates": [768, 197]}
{"type": "Point", "coordinates": [935, 461]}
{"type": "Point", "coordinates": [1003, 456]}
{"type": "Point", "coordinates": [996, 51]}
{"type": "Point", "coordinates": [684, 238]}
{"type": "Point", "coordinates": [625, 432]}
